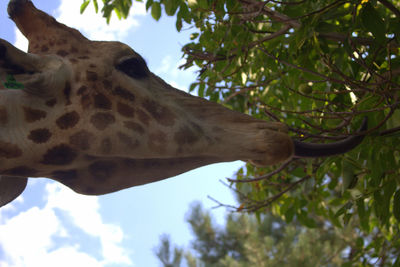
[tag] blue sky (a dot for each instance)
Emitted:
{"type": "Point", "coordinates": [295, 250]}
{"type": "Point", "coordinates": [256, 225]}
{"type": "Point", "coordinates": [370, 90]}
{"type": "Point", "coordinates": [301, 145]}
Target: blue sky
{"type": "Point", "coordinates": [50, 225]}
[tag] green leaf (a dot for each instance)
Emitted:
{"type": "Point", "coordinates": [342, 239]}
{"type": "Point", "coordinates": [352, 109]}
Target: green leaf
{"type": "Point", "coordinates": [11, 83]}
{"type": "Point", "coordinates": [178, 24]}
{"type": "Point", "coordinates": [347, 264]}
{"type": "Point", "coordinates": [203, 4]}
{"type": "Point", "coordinates": [372, 21]}
{"type": "Point", "coordinates": [344, 209]}
{"type": "Point", "coordinates": [289, 214]}
{"type": "Point", "coordinates": [184, 13]}
{"type": "Point", "coordinates": [118, 13]}
{"type": "Point", "coordinates": [156, 10]}
{"type": "Point", "coordinates": [348, 176]}
{"type": "Point", "coordinates": [363, 214]}
{"type": "Point", "coordinates": [84, 5]}
{"type": "Point", "coordinates": [202, 88]}
{"type": "Point", "coordinates": [149, 3]}
{"type": "Point", "coordinates": [96, 6]}
{"type": "Point", "coordinates": [360, 242]}
{"type": "Point", "coordinates": [306, 220]}
{"type": "Point", "coordinates": [396, 205]}
{"type": "Point", "coordinates": [171, 6]}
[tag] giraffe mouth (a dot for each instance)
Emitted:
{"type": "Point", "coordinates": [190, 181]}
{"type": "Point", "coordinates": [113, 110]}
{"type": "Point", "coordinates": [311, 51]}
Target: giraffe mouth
{"type": "Point", "coordinates": [12, 73]}
{"type": "Point", "coordinates": [35, 74]}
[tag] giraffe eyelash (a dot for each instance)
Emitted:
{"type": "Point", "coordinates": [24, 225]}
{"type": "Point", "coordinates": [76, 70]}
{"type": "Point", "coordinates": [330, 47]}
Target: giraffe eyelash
{"type": "Point", "coordinates": [134, 67]}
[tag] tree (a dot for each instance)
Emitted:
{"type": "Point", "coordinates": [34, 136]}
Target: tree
{"type": "Point", "coordinates": [246, 241]}
{"type": "Point", "coordinates": [321, 67]}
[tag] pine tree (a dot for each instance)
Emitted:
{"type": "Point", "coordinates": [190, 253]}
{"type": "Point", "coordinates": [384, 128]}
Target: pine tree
{"type": "Point", "coordinates": [247, 241]}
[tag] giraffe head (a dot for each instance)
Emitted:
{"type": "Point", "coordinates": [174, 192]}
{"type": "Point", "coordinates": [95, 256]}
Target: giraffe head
{"type": "Point", "coordinates": [92, 116]}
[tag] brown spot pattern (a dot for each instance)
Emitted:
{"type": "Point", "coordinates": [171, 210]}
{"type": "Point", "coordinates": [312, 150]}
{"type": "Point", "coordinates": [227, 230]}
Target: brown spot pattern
{"type": "Point", "coordinates": [107, 84]}
{"type": "Point", "coordinates": [68, 120]}
{"type": "Point", "coordinates": [44, 48]}
{"type": "Point", "coordinates": [33, 115]}
{"type": "Point", "coordinates": [143, 117]}
{"type": "Point", "coordinates": [62, 41]}
{"type": "Point", "coordinates": [81, 139]}
{"type": "Point", "coordinates": [125, 110]}
{"type": "Point", "coordinates": [157, 141]}
{"type": "Point", "coordinates": [59, 155]}
{"type": "Point", "coordinates": [67, 93]}
{"type": "Point", "coordinates": [106, 146]}
{"type": "Point", "coordinates": [82, 90]}
{"type": "Point", "coordinates": [20, 171]}
{"type": "Point", "coordinates": [185, 135]}
{"type": "Point", "coordinates": [91, 76]}
{"type": "Point", "coordinates": [102, 170]}
{"type": "Point", "coordinates": [8, 150]}
{"type": "Point", "coordinates": [51, 103]}
{"type": "Point", "coordinates": [77, 76]}
{"type": "Point", "coordinates": [3, 115]}
{"type": "Point", "coordinates": [62, 53]}
{"type": "Point", "coordinates": [39, 136]}
{"type": "Point", "coordinates": [86, 101]}
{"type": "Point", "coordinates": [65, 175]}
{"type": "Point", "coordinates": [134, 126]}
{"type": "Point", "coordinates": [102, 102]}
{"type": "Point", "coordinates": [102, 120]}
{"type": "Point", "coordinates": [124, 93]}
{"type": "Point", "coordinates": [160, 113]}
{"type": "Point", "coordinates": [127, 141]}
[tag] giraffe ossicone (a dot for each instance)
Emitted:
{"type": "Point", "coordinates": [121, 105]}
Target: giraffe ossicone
{"type": "Point", "coordinates": [92, 116]}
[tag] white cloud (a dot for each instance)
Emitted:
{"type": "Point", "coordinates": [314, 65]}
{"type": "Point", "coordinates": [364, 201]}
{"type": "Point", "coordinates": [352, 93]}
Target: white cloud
{"type": "Point", "coordinates": [169, 70]}
{"type": "Point", "coordinates": [165, 65]}
{"type": "Point", "coordinates": [170, 67]}
{"type": "Point", "coordinates": [84, 213]}
{"type": "Point", "coordinates": [93, 25]}
{"type": "Point", "coordinates": [20, 41]}
{"type": "Point", "coordinates": [11, 206]}
{"type": "Point", "coordinates": [28, 239]}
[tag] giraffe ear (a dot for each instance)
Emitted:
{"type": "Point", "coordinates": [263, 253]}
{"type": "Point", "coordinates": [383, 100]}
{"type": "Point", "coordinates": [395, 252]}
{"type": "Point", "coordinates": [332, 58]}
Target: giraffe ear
{"type": "Point", "coordinates": [11, 188]}
{"type": "Point", "coordinates": [134, 67]}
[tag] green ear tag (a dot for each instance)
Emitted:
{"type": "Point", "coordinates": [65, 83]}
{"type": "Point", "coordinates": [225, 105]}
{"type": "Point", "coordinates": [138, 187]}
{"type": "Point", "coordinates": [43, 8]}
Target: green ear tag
{"type": "Point", "coordinates": [11, 83]}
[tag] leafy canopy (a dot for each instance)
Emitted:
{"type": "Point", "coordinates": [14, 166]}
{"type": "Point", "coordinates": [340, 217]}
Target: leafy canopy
{"type": "Point", "coordinates": [320, 67]}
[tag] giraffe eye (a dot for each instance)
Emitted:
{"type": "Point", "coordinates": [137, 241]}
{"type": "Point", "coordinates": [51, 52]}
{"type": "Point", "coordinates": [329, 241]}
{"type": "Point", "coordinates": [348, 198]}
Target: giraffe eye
{"type": "Point", "coordinates": [134, 67]}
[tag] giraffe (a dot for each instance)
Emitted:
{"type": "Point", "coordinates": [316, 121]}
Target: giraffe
{"type": "Point", "coordinates": [91, 115]}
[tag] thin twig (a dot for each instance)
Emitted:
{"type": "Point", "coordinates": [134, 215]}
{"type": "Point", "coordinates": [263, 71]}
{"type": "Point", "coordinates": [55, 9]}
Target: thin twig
{"type": "Point", "coordinates": [264, 177]}
{"type": "Point", "coordinates": [391, 7]}
{"type": "Point", "coordinates": [272, 199]}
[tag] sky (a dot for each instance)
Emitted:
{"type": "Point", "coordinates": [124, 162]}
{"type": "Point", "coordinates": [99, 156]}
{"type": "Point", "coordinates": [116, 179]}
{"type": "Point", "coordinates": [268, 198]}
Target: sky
{"type": "Point", "coordinates": [50, 225]}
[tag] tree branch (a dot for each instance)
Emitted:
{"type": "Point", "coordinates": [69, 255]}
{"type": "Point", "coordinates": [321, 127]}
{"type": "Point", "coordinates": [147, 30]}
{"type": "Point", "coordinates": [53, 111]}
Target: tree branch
{"type": "Point", "coordinates": [391, 7]}
{"type": "Point", "coordinates": [269, 201]}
